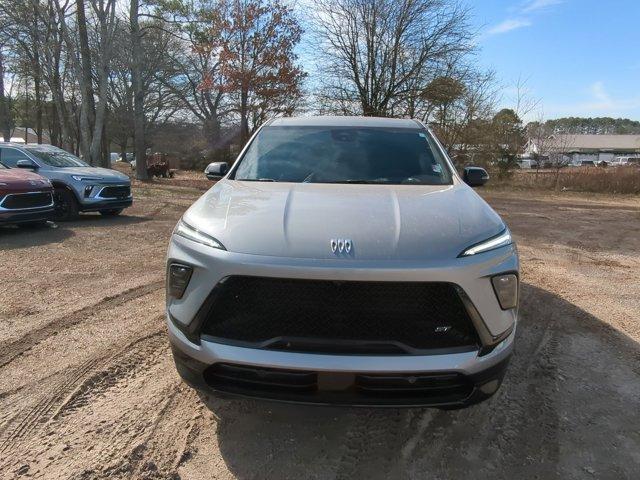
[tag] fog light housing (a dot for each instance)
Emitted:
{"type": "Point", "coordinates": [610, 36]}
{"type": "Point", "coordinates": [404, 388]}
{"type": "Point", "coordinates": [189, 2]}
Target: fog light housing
{"type": "Point", "coordinates": [178, 277]}
{"type": "Point", "coordinates": [87, 190]}
{"type": "Point", "coordinates": [506, 288]}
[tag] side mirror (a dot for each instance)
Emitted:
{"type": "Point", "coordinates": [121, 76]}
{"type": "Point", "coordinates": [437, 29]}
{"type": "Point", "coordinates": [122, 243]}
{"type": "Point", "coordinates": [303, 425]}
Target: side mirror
{"type": "Point", "coordinates": [475, 176]}
{"type": "Point", "coordinates": [26, 164]}
{"type": "Point", "coordinates": [216, 170]}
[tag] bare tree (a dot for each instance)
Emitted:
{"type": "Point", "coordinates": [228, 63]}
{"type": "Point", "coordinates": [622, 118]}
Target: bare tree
{"type": "Point", "coordinates": [559, 147]}
{"type": "Point", "coordinates": [374, 54]}
{"type": "Point", "coordinates": [6, 121]}
{"type": "Point", "coordinates": [138, 90]}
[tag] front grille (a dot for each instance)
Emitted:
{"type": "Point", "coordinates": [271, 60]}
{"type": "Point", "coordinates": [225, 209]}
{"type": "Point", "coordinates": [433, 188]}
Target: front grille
{"type": "Point", "coordinates": [340, 388]}
{"type": "Point", "coordinates": [338, 317]}
{"type": "Point", "coordinates": [17, 201]}
{"type": "Point", "coordinates": [118, 191]}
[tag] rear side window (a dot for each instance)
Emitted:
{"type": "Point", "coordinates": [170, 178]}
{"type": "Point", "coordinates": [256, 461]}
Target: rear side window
{"type": "Point", "coordinates": [10, 156]}
{"type": "Point", "coordinates": [343, 155]}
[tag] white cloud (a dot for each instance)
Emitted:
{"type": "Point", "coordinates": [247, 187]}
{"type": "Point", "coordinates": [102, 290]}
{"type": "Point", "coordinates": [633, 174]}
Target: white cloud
{"type": "Point", "coordinates": [522, 14]}
{"type": "Point", "coordinates": [509, 25]}
{"type": "Point", "coordinates": [534, 5]}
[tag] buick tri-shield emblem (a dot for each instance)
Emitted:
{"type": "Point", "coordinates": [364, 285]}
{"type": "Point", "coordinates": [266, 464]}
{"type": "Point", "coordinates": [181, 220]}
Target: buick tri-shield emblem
{"type": "Point", "coordinates": [341, 245]}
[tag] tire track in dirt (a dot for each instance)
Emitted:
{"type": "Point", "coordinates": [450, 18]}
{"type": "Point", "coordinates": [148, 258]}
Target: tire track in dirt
{"type": "Point", "coordinates": [165, 445]}
{"type": "Point", "coordinates": [136, 356]}
{"type": "Point", "coordinates": [78, 386]}
{"type": "Point", "coordinates": [13, 349]}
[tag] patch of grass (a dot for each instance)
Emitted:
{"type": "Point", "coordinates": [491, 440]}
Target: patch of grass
{"type": "Point", "coordinates": [582, 179]}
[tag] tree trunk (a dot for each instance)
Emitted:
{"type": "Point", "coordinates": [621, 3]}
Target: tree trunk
{"type": "Point", "coordinates": [244, 122]}
{"type": "Point", "coordinates": [37, 72]}
{"type": "Point", "coordinates": [138, 93]}
{"type": "Point", "coordinates": [5, 111]}
{"type": "Point", "coordinates": [86, 85]}
{"type": "Point", "coordinates": [38, 92]}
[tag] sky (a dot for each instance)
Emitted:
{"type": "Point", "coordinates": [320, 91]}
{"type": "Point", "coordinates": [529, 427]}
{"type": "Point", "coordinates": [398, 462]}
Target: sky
{"type": "Point", "coordinates": [577, 57]}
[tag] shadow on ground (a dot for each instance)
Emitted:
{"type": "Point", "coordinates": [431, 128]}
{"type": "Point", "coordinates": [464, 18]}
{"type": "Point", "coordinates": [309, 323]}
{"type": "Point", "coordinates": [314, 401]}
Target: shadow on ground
{"type": "Point", "coordinates": [12, 237]}
{"type": "Point", "coordinates": [568, 409]}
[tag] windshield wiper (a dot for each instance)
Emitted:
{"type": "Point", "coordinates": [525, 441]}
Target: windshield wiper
{"type": "Point", "coordinates": [358, 181]}
{"type": "Point", "coordinates": [255, 179]}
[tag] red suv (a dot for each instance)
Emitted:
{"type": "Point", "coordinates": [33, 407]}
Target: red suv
{"type": "Point", "coordinates": [25, 197]}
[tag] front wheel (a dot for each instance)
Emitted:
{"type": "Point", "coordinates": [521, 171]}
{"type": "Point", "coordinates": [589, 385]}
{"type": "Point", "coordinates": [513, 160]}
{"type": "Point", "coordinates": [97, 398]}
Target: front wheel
{"type": "Point", "coordinates": [66, 205]}
{"type": "Point", "coordinates": [112, 212]}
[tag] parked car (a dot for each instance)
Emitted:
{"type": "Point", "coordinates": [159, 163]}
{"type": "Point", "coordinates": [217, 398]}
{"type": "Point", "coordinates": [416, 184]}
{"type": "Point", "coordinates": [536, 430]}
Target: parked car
{"type": "Point", "coordinates": [78, 187]}
{"type": "Point", "coordinates": [343, 260]}
{"type": "Point", "coordinates": [582, 163]}
{"type": "Point", "coordinates": [625, 161]}
{"type": "Point", "coordinates": [527, 163]}
{"type": "Point", "coordinates": [25, 197]}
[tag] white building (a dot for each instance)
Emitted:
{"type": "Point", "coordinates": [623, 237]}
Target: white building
{"type": "Point", "coordinates": [596, 148]}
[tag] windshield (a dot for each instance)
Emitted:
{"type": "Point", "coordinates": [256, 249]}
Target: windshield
{"type": "Point", "coordinates": [56, 158]}
{"type": "Point", "coordinates": [343, 155]}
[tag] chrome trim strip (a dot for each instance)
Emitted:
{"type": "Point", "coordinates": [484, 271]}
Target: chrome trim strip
{"type": "Point", "coordinates": [4, 209]}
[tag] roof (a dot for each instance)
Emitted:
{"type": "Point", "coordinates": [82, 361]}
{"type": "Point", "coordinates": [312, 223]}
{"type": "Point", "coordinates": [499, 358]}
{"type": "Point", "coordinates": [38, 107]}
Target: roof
{"type": "Point", "coordinates": [344, 121]}
{"type": "Point", "coordinates": [22, 145]}
{"type": "Point", "coordinates": [603, 142]}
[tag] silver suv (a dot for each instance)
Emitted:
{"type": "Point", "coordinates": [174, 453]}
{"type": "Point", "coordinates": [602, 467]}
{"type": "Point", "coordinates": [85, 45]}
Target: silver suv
{"type": "Point", "coordinates": [342, 260]}
{"type": "Point", "coordinates": [78, 187]}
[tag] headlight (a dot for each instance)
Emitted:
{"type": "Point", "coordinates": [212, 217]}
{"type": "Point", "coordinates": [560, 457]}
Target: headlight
{"type": "Point", "coordinates": [82, 178]}
{"type": "Point", "coordinates": [187, 231]}
{"type": "Point", "coordinates": [506, 288]}
{"type": "Point", "coordinates": [495, 242]}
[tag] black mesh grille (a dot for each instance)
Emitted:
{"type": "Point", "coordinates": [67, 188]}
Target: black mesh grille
{"type": "Point", "coordinates": [328, 316]}
{"type": "Point", "coordinates": [27, 200]}
{"type": "Point", "coordinates": [116, 192]}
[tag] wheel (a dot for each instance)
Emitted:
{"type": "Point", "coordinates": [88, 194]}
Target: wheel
{"type": "Point", "coordinates": [111, 213]}
{"type": "Point", "coordinates": [66, 205]}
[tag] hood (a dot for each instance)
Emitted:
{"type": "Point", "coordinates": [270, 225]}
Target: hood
{"type": "Point", "coordinates": [398, 222]}
{"type": "Point", "coordinates": [104, 173]}
{"type": "Point", "coordinates": [21, 180]}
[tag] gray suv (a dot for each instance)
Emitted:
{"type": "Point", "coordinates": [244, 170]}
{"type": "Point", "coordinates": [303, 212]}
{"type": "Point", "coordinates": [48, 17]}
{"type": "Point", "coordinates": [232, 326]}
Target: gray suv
{"type": "Point", "coordinates": [343, 260]}
{"type": "Point", "coordinates": [78, 187]}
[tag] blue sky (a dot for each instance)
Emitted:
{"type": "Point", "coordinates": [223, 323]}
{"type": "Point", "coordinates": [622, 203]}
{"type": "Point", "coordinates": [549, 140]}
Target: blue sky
{"type": "Point", "coordinates": [579, 57]}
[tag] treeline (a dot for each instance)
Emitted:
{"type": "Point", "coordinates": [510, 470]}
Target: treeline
{"type": "Point", "coordinates": [594, 126]}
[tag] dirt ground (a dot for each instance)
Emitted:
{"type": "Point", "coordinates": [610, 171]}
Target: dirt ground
{"type": "Point", "coordinates": [88, 388]}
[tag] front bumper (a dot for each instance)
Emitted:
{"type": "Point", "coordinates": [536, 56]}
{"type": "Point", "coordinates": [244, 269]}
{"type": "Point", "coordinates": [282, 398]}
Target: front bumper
{"type": "Point", "coordinates": [25, 215]}
{"type": "Point", "coordinates": [106, 205]}
{"type": "Point", "coordinates": [8, 217]}
{"type": "Point", "coordinates": [479, 371]}
{"type": "Point", "coordinates": [96, 201]}
{"type": "Point", "coordinates": [453, 380]}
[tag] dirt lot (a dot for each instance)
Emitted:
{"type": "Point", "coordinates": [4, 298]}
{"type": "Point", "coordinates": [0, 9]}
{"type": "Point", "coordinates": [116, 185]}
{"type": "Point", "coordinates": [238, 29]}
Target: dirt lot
{"type": "Point", "coordinates": [88, 388]}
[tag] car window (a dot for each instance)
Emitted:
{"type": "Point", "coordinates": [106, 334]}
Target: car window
{"type": "Point", "coordinates": [344, 155]}
{"type": "Point", "coordinates": [57, 157]}
{"type": "Point", "coordinates": [10, 156]}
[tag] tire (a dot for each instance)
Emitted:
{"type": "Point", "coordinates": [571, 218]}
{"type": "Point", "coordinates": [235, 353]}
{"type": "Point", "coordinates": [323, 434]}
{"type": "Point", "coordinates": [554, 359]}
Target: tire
{"type": "Point", "coordinates": [66, 205]}
{"type": "Point", "coordinates": [114, 212]}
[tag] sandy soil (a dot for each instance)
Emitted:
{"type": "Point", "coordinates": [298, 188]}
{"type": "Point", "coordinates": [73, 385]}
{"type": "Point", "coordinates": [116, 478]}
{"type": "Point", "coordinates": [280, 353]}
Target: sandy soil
{"type": "Point", "coordinates": [88, 388]}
